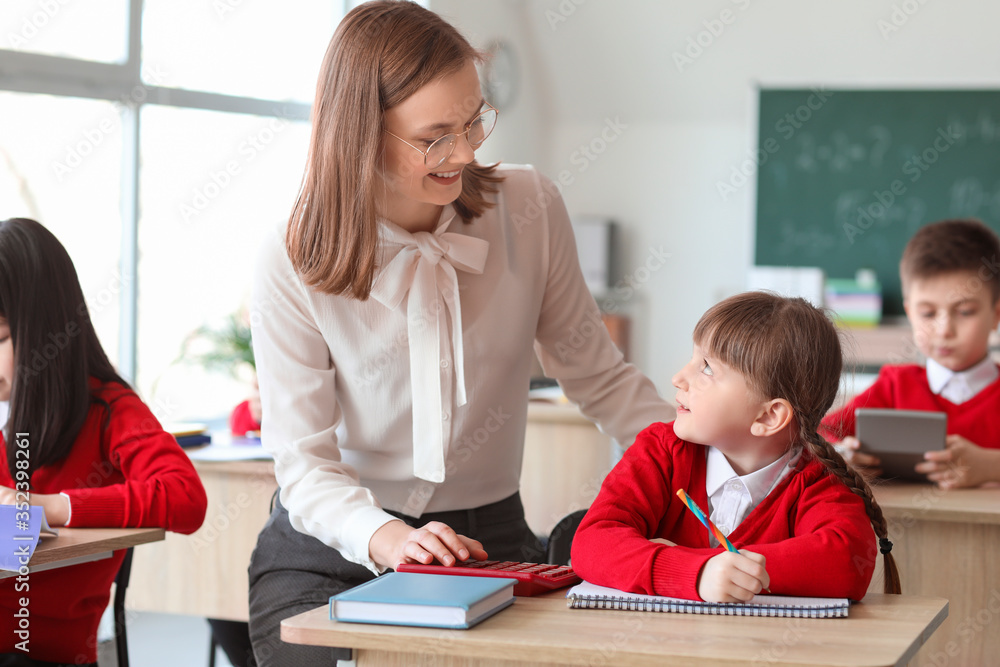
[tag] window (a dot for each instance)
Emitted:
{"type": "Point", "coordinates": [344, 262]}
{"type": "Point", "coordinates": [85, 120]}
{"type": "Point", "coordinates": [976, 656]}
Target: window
{"type": "Point", "coordinates": [160, 162]}
{"type": "Point", "coordinates": [67, 177]}
{"type": "Point", "coordinates": [231, 47]}
{"type": "Point", "coordinates": [68, 29]}
{"type": "Point", "coordinates": [199, 237]}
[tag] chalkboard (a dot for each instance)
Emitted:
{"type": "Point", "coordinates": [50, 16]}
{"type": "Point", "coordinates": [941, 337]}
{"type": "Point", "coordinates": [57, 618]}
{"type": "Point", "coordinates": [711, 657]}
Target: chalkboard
{"type": "Point", "coordinates": [845, 177]}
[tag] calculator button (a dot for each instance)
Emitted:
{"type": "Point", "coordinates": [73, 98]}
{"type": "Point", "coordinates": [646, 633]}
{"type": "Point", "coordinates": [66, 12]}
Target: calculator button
{"type": "Point", "coordinates": [531, 578]}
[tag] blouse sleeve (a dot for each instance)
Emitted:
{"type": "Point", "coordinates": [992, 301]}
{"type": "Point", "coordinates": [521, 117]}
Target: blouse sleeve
{"type": "Point", "coordinates": [161, 487]}
{"type": "Point", "coordinates": [575, 347]}
{"type": "Point", "coordinates": [300, 414]}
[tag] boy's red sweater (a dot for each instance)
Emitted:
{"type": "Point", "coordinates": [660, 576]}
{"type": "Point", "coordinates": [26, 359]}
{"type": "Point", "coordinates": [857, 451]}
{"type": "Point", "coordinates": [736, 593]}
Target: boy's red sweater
{"type": "Point", "coordinates": [905, 387]}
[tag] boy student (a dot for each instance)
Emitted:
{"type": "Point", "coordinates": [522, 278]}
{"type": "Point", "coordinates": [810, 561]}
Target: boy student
{"type": "Point", "coordinates": [951, 294]}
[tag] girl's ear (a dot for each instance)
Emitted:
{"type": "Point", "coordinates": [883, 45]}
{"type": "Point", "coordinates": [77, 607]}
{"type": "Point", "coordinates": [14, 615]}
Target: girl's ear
{"type": "Point", "coordinates": [774, 416]}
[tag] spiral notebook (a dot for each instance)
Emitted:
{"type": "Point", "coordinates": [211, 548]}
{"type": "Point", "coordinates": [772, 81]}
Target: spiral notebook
{"type": "Point", "coordinates": [592, 596]}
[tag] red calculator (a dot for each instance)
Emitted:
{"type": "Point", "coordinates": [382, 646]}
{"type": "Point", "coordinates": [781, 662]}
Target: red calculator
{"type": "Point", "coordinates": [532, 578]}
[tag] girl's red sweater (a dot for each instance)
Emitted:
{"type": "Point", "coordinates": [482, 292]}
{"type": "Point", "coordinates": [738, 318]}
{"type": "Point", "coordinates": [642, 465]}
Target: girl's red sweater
{"type": "Point", "coordinates": [124, 471]}
{"type": "Point", "coordinates": [813, 530]}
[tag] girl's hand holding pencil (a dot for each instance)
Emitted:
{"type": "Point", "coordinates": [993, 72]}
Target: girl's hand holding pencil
{"type": "Point", "coordinates": [732, 576]}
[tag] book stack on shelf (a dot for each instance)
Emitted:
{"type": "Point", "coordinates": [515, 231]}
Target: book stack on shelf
{"type": "Point", "coordinates": [189, 435]}
{"type": "Point", "coordinates": [857, 302]}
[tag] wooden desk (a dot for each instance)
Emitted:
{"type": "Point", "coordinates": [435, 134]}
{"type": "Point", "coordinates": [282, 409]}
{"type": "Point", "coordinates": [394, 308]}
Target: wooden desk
{"type": "Point", "coordinates": [205, 574]}
{"type": "Point", "coordinates": [945, 544]}
{"type": "Point", "coordinates": [81, 545]}
{"type": "Point", "coordinates": [882, 630]}
{"type": "Point", "coordinates": [565, 460]}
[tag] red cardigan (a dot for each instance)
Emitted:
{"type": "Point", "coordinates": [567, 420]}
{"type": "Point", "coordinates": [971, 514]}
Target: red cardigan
{"type": "Point", "coordinates": [241, 421]}
{"type": "Point", "coordinates": [906, 388]}
{"type": "Point", "coordinates": [123, 471]}
{"type": "Point", "coordinates": [811, 528]}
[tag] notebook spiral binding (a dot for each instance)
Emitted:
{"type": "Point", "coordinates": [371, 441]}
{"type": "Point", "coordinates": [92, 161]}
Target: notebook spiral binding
{"type": "Point", "coordinates": [696, 607]}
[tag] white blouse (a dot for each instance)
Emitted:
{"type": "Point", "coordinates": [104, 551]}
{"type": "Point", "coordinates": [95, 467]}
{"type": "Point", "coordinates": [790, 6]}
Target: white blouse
{"type": "Point", "coordinates": [378, 403]}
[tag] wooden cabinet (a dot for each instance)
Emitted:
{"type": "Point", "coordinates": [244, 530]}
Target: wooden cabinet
{"type": "Point", "coordinates": [205, 574]}
{"type": "Point", "coordinates": [565, 461]}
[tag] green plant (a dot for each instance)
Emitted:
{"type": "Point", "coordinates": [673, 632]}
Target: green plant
{"type": "Point", "coordinates": [226, 348]}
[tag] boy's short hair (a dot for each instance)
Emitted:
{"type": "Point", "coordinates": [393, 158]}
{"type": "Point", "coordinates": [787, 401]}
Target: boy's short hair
{"type": "Point", "coordinates": [949, 246]}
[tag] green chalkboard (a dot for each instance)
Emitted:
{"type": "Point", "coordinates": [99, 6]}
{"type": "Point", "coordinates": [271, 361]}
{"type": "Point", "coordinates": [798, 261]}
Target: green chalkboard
{"type": "Point", "coordinates": [844, 177]}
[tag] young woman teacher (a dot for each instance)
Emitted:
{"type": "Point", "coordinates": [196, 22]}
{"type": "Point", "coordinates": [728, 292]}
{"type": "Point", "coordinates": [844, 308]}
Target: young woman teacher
{"type": "Point", "coordinates": [394, 324]}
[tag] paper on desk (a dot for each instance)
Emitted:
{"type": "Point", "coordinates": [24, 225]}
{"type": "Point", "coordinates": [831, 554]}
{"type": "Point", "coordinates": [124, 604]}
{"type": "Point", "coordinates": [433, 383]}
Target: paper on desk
{"type": "Point", "coordinates": [20, 532]}
{"type": "Point", "coordinates": [246, 452]}
{"type": "Point", "coordinates": [553, 394]}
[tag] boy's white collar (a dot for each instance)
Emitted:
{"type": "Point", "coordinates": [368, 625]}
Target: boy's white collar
{"type": "Point", "coordinates": [960, 386]}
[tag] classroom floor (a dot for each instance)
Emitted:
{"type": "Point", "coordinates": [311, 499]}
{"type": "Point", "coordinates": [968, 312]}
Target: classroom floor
{"type": "Point", "coordinates": [165, 640]}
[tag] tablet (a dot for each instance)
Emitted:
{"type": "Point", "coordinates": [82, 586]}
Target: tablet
{"type": "Point", "coordinates": [899, 438]}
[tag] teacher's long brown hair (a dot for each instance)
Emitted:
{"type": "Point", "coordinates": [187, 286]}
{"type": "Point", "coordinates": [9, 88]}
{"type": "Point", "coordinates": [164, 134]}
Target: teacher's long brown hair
{"type": "Point", "coordinates": [381, 53]}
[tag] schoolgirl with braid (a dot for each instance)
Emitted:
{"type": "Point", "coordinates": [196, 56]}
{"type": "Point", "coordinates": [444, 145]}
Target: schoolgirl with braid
{"type": "Point", "coordinates": [745, 448]}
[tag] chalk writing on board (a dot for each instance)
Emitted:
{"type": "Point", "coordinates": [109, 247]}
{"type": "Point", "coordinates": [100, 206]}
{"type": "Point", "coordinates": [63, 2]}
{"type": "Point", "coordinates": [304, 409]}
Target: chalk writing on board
{"type": "Point", "coordinates": [969, 198]}
{"type": "Point", "coordinates": [855, 207]}
{"type": "Point", "coordinates": [853, 183]}
{"type": "Point", "coordinates": [797, 238]}
{"type": "Point", "coordinates": [841, 153]}
{"type": "Point", "coordinates": [984, 129]}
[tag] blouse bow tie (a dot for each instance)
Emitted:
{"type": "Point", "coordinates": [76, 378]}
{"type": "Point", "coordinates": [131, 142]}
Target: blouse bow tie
{"type": "Point", "coordinates": [424, 269]}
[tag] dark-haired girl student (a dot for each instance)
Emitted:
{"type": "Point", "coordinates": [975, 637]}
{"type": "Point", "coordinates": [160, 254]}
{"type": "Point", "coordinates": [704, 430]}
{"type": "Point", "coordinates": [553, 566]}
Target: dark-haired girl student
{"type": "Point", "coordinates": [394, 324]}
{"type": "Point", "coordinates": [96, 455]}
{"type": "Point", "coordinates": [745, 448]}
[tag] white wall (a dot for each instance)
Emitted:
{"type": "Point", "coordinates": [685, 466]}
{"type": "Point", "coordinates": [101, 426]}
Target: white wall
{"type": "Point", "coordinates": [588, 61]}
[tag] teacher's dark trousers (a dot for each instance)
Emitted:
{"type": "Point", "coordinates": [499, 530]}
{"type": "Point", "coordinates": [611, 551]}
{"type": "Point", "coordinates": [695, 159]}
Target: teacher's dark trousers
{"type": "Point", "coordinates": [291, 572]}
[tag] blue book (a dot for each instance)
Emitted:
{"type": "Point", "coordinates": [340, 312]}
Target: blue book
{"type": "Point", "coordinates": [194, 440]}
{"type": "Point", "coordinates": [429, 600]}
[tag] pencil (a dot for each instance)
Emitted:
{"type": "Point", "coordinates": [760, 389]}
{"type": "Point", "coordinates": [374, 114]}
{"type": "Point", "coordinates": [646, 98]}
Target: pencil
{"type": "Point", "coordinates": [693, 506]}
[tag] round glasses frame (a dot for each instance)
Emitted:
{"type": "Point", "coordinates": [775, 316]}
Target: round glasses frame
{"type": "Point", "coordinates": [449, 141]}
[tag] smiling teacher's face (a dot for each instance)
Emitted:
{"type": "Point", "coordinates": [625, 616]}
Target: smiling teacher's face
{"type": "Point", "coordinates": [443, 106]}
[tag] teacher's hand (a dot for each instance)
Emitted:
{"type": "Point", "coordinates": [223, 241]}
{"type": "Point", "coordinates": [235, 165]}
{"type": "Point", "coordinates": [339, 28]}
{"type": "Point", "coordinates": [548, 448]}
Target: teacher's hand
{"type": "Point", "coordinates": [396, 543]}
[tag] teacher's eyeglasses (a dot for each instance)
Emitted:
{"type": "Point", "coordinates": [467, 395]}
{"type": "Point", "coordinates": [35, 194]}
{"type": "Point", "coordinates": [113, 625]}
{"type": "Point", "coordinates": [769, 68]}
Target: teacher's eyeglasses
{"type": "Point", "coordinates": [441, 148]}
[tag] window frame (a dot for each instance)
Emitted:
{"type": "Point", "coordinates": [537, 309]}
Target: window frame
{"type": "Point", "coordinates": [122, 83]}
